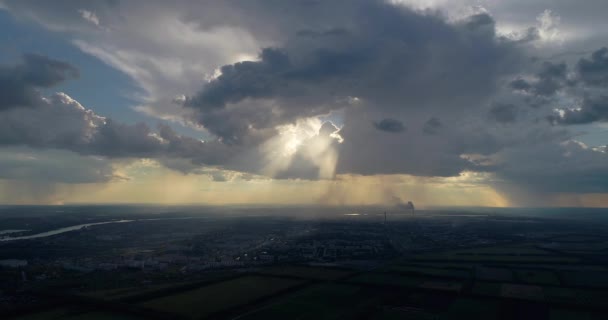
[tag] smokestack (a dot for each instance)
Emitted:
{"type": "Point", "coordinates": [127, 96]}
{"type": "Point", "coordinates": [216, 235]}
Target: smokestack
{"type": "Point", "coordinates": [410, 205]}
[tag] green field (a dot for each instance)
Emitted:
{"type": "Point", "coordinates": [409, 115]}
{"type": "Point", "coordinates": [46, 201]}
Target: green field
{"type": "Point", "coordinates": [507, 250]}
{"type": "Point", "coordinates": [128, 292]}
{"type": "Point", "coordinates": [122, 293]}
{"type": "Point", "coordinates": [398, 314]}
{"type": "Point", "coordinates": [588, 278]}
{"type": "Point", "coordinates": [467, 308]}
{"type": "Point", "coordinates": [566, 314]}
{"type": "Point", "coordinates": [388, 279]}
{"type": "Point", "coordinates": [493, 274]}
{"type": "Point", "coordinates": [513, 253]}
{"type": "Point", "coordinates": [522, 291]}
{"type": "Point", "coordinates": [577, 238]}
{"type": "Point", "coordinates": [101, 315]}
{"type": "Point", "coordinates": [327, 301]}
{"type": "Point", "coordinates": [446, 256]}
{"type": "Point", "coordinates": [307, 272]}
{"type": "Point", "coordinates": [58, 313]}
{"type": "Point", "coordinates": [491, 289]}
{"type": "Point", "coordinates": [442, 285]}
{"type": "Point", "coordinates": [432, 271]}
{"type": "Point", "coordinates": [537, 277]}
{"type": "Point", "coordinates": [206, 300]}
{"type": "Point", "coordinates": [75, 313]}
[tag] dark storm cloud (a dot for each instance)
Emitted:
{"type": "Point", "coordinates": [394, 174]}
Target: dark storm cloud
{"type": "Point", "coordinates": [19, 84]}
{"type": "Point", "coordinates": [246, 79]}
{"type": "Point", "coordinates": [390, 56]}
{"type": "Point", "coordinates": [566, 167]}
{"type": "Point", "coordinates": [368, 60]}
{"type": "Point", "coordinates": [592, 109]}
{"type": "Point", "coordinates": [550, 78]}
{"type": "Point", "coordinates": [503, 113]}
{"type": "Point", "coordinates": [28, 118]}
{"type": "Point", "coordinates": [62, 123]}
{"type": "Point", "coordinates": [394, 60]}
{"type": "Point", "coordinates": [590, 89]}
{"type": "Point", "coordinates": [432, 126]}
{"type": "Point", "coordinates": [390, 125]}
{"type": "Point", "coordinates": [594, 71]}
{"type": "Point", "coordinates": [334, 32]}
{"type": "Point", "coordinates": [520, 84]}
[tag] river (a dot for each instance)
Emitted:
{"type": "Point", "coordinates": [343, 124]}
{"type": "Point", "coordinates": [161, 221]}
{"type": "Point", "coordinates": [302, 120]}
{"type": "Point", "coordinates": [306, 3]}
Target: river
{"type": "Point", "coordinates": [61, 230]}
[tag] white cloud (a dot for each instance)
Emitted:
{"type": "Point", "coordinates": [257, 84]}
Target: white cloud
{"type": "Point", "coordinates": [89, 16]}
{"type": "Point", "coordinates": [548, 27]}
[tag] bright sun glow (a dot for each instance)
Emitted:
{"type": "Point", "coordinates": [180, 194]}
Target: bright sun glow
{"type": "Point", "coordinates": [302, 138]}
{"type": "Point", "coordinates": [292, 145]}
{"type": "Point", "coordinates": [293, 135]}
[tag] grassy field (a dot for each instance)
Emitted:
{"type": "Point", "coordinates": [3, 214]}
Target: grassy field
{"type": "Point", "coordinates": [566, 314]}
{"type": "Point", "coordinates": [101, 315]}
{"type": "Point", "coordinates": [513, 253]}
{"type": "Point", "coordinates": [134, 291]}
{"type": "Point", "coordinates": [326, 301]}
{"type": "Point", "coordinates": [522, 291]}
{"type": "Point", "coordinates": [577, 238]}
{"type": "Point", "coordinates": [486, 257]}
{"type": "Point", "coordinates": [432, 271]}
{"type": "Point", "coordinates": [388, 279]}
{"type": "Point", "coordinates": [506, 250]}
{"type": "Point", "coordinates": [58, 313]}
{"type": "Point", "coordinates": [75, 313]}
{"type": "Point", "coordinates": [452, 286]}
{"type": "Point", "coordinates": [537, 277]}
{"type": "Point", "coordinates": [588, 278]}
{"type": "Point", "coordinates": [493, 274]}
{"type": "Point", "coordinates": [399, 314]}
{"type": "Point", "coordinates": [467, 308]}
{"type": "Point", "coordinates": [491, 289]}
{"type": "Point", "coordinates": [206, 300]}
{"type": "Point", "coordinates": [117, 294]}
{"type": "Point", "coordinates": [307, 272]}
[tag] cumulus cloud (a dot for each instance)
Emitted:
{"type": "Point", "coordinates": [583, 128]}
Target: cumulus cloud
{"type": "Point", "coordinates": [548, 26]}
{"type": "Point", "coordinates": [19, 84]}
{"type": "Point", "coordinates": [89, 16]}
{"type": "Point", "coordinates": [59, 122]}
{"type": "Point", "coordinates": [587, 89]}
{"type": "Point", "coordinates": [259, 77]}
{"type": "Point", "coordinates": [592, 109]}
{"type": "Point", "coordinates": [503, 113]}
{"type": "Point", "coordinates": [551, 78]}
{"type": "Point", "coordinates": [594, 71]}
{"type": "Point", "coordinates": [432, 126]}
{"type": "Point", "coordinates": [390, 125]}
{"type": "Point", "coordinates": [379, 60]}
{"type": "Point", "coordinates": [389, 68]}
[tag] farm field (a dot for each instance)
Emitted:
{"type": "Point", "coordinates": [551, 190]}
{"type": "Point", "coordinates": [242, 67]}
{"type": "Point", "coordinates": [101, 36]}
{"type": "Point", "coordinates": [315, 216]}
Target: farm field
{"type": "Point", "coordinates": [213, 298]}
{"type": "Point", "coordinates": [307, 272]}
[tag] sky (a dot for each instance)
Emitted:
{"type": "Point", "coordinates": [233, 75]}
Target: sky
{"type": "Point", "coordinates": [358, 102]}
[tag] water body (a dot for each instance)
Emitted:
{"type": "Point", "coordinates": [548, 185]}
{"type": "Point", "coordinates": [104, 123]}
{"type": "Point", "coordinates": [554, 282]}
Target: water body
{"type": "Point", "coordinates": [80, 226]}
{"type": "Point", "coordinates": [11, 231]}
{"type": "Point", "coordinates": [61, 230]}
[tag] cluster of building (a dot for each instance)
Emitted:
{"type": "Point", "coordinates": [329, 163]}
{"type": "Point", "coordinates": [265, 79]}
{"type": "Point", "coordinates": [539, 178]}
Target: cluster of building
{"type": "Point", "coordinates": [243, 246]}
